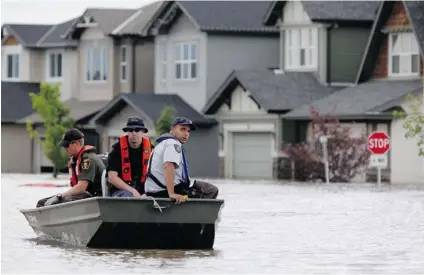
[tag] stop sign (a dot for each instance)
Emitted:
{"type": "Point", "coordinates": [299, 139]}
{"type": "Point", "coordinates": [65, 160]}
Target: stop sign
{"type": "Point", "coordinates": [378, 143]}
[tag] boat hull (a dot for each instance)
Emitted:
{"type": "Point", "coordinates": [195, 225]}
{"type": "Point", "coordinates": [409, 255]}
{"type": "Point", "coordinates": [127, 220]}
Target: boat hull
{"type": "Point", "coordinates": [142, 223]}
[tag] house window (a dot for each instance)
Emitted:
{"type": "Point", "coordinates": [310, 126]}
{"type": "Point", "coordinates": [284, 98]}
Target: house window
{"type": "Point", "coordinates": [124, 63]}
{"type": "Point", "coordinates": [96, 63]}
{"type": "Point", "coordinates": [404, 54]}
{"type": "Point", "coordinates": [13, 66]}
{"type": "Point", "coordinates": [301, 48]}
{"type": "Point", "coordinates": [185, 61]}
{"type": "Point", "coordinates": [54, 61]}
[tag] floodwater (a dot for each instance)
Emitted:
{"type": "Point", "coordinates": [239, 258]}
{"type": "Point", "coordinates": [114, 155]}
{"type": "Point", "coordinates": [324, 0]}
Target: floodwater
{"type": "Point", "coordinates": [264, 228]}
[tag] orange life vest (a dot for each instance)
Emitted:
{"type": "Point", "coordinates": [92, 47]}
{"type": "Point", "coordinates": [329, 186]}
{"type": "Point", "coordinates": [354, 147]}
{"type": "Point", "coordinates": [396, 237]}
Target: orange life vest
{"type": "Point", "coordinates": [146, 148]}
{"type": "Point", "coordinates": [76, 172]}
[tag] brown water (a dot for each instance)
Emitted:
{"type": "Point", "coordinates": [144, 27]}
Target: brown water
{"type": "Point", "coordinates": [264, 228]}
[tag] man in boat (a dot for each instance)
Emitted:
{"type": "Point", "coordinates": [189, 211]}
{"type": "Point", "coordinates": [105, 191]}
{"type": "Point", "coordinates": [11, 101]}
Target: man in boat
{"type": "Point", "coordinates": [85, 168]}
{"type": "Point", "coordinates": [128, 159]}
{"type": "Point", "coordinates": [168, 173]}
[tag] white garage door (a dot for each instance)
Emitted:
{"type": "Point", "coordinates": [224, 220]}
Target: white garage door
{"type": "Point", "coordinates": [252, 156]}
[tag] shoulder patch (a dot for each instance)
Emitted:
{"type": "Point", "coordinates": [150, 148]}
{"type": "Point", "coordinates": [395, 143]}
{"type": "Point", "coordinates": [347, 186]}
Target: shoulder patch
{"type": "Point", "coordinates": [85, 164]}
{"type": "Point", "coordinates": [177, 148]}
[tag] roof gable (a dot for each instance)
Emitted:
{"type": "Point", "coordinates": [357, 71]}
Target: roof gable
{"type": "Point", "coordinates": [378, 32]}
{"type": "Point", "coordinates": [53, 38]}
{"type": "Point", "coordinates": [324, 11]}
{"type": "Point", "coordinates": [273, 92]}
{"type": "Point", "coordinates": [215, 16]}
{"type": "Point", "coordinates": [15, 100]}
{"type": "Point", "coordinates": [150, 105]}
{"type": "Point", "coordinates": [26, 34]}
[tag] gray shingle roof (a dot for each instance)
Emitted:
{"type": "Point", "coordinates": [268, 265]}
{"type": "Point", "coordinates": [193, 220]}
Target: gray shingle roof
{"type": "Point", "coordinates": [27, 35]}
{"type": "Point", "coordinates": [328, 10]}
{"type": "Point", "coordinates": [136, 23]}
{"type": "Point", "coordinates": [151, 105]}
{"type": "Point", "coordinates": [53, 36]}
{"type": "Point", "coordinates": [372, 96]}
{"type": "Point", "coordinates": [273, 92]}
{"type": "Point", "coordinates": [79, 109]}
{"type": "Point", "coordinates": [416, 12]}
{"type": "Point", "coordinates": [15, 100]}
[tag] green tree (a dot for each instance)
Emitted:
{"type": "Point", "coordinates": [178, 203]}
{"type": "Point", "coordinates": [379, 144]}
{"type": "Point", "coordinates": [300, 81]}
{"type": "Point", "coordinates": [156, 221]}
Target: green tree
{"type": "Point", "coordinates": [56, 121]}
{"type": "Point", "coordinates": [414, 121]}
{"type": "Point", "coordinates": [165, 120]}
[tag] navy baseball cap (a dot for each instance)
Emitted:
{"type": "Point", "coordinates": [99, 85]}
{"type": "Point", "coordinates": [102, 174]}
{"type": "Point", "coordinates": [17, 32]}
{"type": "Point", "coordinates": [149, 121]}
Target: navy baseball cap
{"type": "Point", "coordinates": [184, 121]}
{"type": "Point", "coordinates": [70, 136]}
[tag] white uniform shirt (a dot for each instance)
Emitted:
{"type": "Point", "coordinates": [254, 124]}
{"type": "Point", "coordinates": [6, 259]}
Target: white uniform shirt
{"type": "Point", "coordinates": [168, 150]}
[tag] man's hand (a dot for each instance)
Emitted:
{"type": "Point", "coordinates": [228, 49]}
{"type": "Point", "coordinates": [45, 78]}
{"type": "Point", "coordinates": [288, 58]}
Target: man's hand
{"type": "Point", "coordinates": [135, 193]}
{"type": "Point", "coordinates": [52, 200]}
{"type": "Point", "coordinates": [178, 198]}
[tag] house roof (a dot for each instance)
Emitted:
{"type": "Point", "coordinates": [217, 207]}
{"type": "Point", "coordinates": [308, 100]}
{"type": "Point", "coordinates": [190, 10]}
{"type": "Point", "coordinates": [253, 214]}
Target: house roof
{"type": "Point", "coordinates": [150, 105]}
{"type": "Point", "coordinates": [79, 110]}
{"type": "Point", "coordinates": [136, 23]}
{"type": "Point", "coordinates": [322, 11]}
{"type": "Point", "coordinates": [53, 38]}
{"type": "Point", "coordinates": [273, 92]}
{"type": "Point", "coordinates": [27, 35]}
{"type": "Point", "coordinates": [15, 100]}
{"type": "Point", "coordinates": [107, 19]}
{"type": "Point", "coordinates": [219, 16]}
{"type": "Point", "coordinates": [373, 97]}
{"type": "Point", "coordinates": [415, 11]}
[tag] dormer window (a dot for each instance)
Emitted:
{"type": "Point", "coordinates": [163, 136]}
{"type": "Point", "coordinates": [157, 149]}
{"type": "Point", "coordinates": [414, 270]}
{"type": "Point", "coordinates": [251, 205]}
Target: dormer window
{"type": "Point", "coordinates": [301, 48]}
{"type": "Point", "coordinates": [404, 57]}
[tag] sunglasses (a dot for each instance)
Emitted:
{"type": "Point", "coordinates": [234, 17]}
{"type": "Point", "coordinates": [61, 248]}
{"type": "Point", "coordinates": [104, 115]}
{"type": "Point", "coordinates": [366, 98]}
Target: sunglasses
{"type": "Point", "coordinates": [133, 130]}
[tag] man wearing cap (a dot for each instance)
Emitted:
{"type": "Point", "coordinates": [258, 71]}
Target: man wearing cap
{"type": "Point", "coordinates": [85, 168]}
{"type": "Point", "coordinates": [128, 159]}
{"type": "Point", "coordinates": [168, 174]}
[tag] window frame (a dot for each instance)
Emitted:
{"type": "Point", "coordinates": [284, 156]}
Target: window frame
{"type": "Point", "coordinates": [390, 55]}
{"type": "Point", "coordinates": [15, 62]}
{"type": "Point", "coordinates": [293, 46]}
{"type": "Point", "coordinates": [103, 66]}
{"type": "Point", "coordinates": [123, 64]}
{"type": "Point", "coordinates": [179, 46]}
{"type": "Point", "coordinates": [56, 69]}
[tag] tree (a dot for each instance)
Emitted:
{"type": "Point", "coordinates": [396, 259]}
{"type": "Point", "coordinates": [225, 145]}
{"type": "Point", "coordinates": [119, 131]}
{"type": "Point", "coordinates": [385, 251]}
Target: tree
{"type": "Point", "coordinates": [347, 155]}
{"type": "Point", "coordinates": [56, 121]}
{"type": "Point", "coordinates": [163, 124]}
{"type": "Point", "coordinates": [414, 121]}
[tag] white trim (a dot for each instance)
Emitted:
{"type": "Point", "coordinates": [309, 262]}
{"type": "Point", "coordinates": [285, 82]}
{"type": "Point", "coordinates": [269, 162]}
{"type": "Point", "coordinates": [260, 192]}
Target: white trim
{"type": "Point", "coordinates": [123, 63]}
{"type": "Point", "coordinates": [342, 84]}
{"type": "Point", "coordinates": [49, 77]}
{"type": "Point", "coordinates": [104, 63]}
{"type": "Point", "coordinates": [185, 63]}
{"type": "Point", "coordinates": [294, 44]}
{"type": "Point", "coordinates": [403, 53]}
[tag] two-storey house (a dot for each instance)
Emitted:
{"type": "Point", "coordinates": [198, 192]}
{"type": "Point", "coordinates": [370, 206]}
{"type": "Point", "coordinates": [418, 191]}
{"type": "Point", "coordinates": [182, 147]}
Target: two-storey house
{"type": "Point", "coordinates": [319, 51]}
{"type": "Point", "coordinates": [390, 69]}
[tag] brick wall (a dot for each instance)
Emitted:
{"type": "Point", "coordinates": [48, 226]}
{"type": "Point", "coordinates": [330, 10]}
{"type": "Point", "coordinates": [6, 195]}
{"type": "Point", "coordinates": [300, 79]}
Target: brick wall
{"type": "Point", "coordinates": [398, 18]}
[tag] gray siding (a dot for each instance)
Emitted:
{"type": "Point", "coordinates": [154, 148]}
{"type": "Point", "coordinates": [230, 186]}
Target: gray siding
{"type": "Point", "coordinates": [347, 45]}
{"type": "Point", "coordinates": [227, 53]}
{"type": "Point", "coordinates": [202, 153]}
{"type": "Point", "coordinates": [144, 67]}
{"type": "Point", "coordinates": [15, 138]}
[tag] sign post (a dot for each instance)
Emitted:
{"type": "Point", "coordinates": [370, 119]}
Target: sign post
{"type": "Point", "coordinates": [324, 140]}
{"type": "Point", "coordinates": [379, 144]}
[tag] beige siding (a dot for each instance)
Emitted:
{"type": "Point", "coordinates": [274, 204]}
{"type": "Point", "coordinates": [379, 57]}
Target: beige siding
{"type": "Point", "coordinates": [241, 103]}
{"type": "Point", "coordinates": [16, 149]}
{"type": "Point", "coordinates": [97, 90]}
{"type": "Point", "coordinates": [37, 64]}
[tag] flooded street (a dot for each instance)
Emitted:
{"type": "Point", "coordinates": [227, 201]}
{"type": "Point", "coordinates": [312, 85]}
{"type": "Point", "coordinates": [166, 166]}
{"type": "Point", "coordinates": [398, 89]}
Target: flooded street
{"type": "Point", "coordinates": [264, 228]}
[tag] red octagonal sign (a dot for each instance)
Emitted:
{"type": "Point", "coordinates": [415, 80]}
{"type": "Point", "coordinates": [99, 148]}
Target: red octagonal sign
{"type": "Point", "coordinates": [378, 143]}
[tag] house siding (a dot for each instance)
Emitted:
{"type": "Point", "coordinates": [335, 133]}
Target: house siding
{"type": "Point", "coordinates": [191, 91]}
{"type": "Point", "coordinates": [144, 67]}
{"type": "Point", "coordinates": [37, 65]}
{"type": "Point", "coordinates": [398, 18]}
{"type": "Point", "coordinates": [98, 90]}
{"type": "Point", "coordinates": [15, 138]}
{"type": "Point", "coordinates": [228, 53]}
{"type": "Point", "coordinates": [347, 46]}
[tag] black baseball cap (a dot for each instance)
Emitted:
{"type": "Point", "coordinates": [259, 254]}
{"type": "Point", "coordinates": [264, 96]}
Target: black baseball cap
{"type": "Point", "coordinates": [184, 121]}
{"type": "Point", "coordinates": [134, 123]}
{"type": "Point", "coordinates": [70, 136]}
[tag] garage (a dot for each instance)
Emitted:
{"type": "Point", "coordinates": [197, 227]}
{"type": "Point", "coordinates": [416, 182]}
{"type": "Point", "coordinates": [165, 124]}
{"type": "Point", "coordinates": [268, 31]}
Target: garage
{"type": "Point", "coordinates": [252, 156]}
